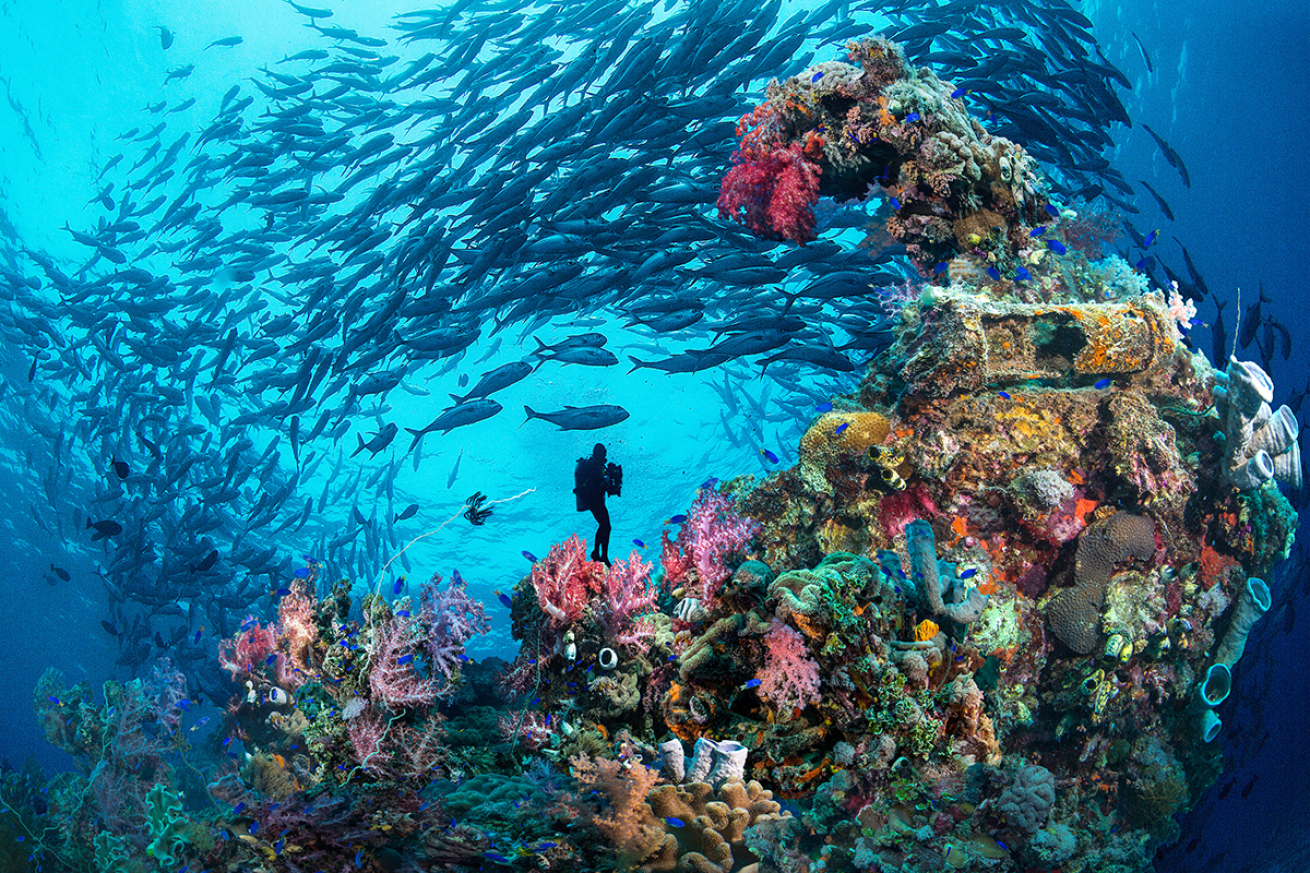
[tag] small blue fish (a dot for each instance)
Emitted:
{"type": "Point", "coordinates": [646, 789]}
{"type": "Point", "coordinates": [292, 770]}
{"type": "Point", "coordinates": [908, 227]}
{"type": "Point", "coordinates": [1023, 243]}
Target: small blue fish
{"type": "Point", "coordinates": [1056, 246]}
{"type": "Point", "coordinates": [227, 741]}
{"type": "Point", "coordinates": [1052, 211]}
{"type": "Point", "coordinates": [456, 578]}
{"type": "Point", "coordinates": [282, 592]}
{"type": "Point", "coordinates": [270, 660]}
{"type": "Point", "coordinates": [405, 659]}
{"type": "Point", "coordinates": [237, 809]}
{"type": "Point", "coordinates": [505, 599]}
{"type": "Point", "coordinates": [1102, 385]}
{"type": "Point", "coordinates": [826, 406]}
{"type": "Point", "coordinates": [958, 93]}
{"type": "Point", "coordinates": [496, 856]}
{"type": "Point", "coordinates": [676, 822]}
{"type": "Point", "coordinates": [912, 117]}
{"type": "Point", "coordinates": [1002, 845]}
{"type": "Point", "coordinates": [400, 583]}
{"type": "Point", "coordinates": [676, 519]}
{"type": "Point", "coordinates": [1004, 395]}
{"type": "Point", "coordinates": [1142, 264]}
{"type": "Point", "coordinates": [254, 826]}
{"type": "Point", "coordinates": [816, 77]}
{"type": "Point", "coordinates": [841, 427]}
{"type": "Point", "coordinates": [277, 847]}
{"type": "Point", "coordinates": [896, 204]}
{"type": "Point", "coordinates": [750, 683]}
{"type": "Point", "coordinates": [639, 544]}
{"type": "Point", "coordinates": [54, 700]}
{"type": "Point", "coordinates": [301, 573]}
{"type": "Point", "coordinates": [544, 846]}
{"type": "Point", "coordinates": [994, 273]}
{"type": "Point", "coordinates": [769, 456]}
{"type": "Point", "coordinates": [969, 573]}
{"type": "Point", "coordinates": [249, 623]}
{"type": "Point", "coordinates": [359, 859]}
{"type": "Point", "coordinates": [535, 701]}
{"type": "Point", "coordinates": [1037, 231]}
{"type": "Point", "coordinates": [940, 268]}
{"type": "Point", "coordinates": [531, 557]}
{"type": "Point", "coordinates": [1151, 237]}
{"type": "Point", "coordinates": [1022, 274]}
{"type": "Point", "coordinates": [403, 613]}
{"type": "Point", "coordinates": [197, 640]}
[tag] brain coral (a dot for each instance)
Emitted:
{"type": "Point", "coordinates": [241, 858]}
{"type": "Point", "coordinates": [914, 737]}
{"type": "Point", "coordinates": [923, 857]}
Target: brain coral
{"type": "Point", "coordinates": [1028, 799]}
{"type": "Point", "coordinates": [1075, 613]}
{"type": "Point", "coordinates": [837, 436]}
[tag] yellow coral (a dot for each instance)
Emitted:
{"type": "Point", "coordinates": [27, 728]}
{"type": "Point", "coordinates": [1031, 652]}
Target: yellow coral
{"type": "Point", "coordinates": [926, 630]}
{"type": "Point", "coordinates": [836, 436]}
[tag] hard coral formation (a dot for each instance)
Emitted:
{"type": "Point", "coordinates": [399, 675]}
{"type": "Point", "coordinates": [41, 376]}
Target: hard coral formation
{"type": "Point", "coordinates": [1075, 613]}
{"type": "Point", "coordinates": [877, 121]}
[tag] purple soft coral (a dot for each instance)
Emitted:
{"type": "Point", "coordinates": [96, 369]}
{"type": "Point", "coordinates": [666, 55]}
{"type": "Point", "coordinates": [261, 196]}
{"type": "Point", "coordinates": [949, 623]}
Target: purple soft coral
{"type": "Point", "coordinates": [452, 619]}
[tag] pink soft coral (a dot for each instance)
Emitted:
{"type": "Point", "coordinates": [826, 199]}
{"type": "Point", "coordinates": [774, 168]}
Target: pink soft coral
{"type": "Point", "coordinates": [392, 677]}
{"type": "Point", "coordinates": [627, 592]}
{"type": "Point", "coordinates": [452, 618]}
{"type": "Point", "coordinates": [773, 194]}
{"type": "Point", "coordinates": [251, 646]}
{"type": "Point", "coordinates": [565, 579]}
{"type": "Point", "coordinates": [790, 678]}
{"type": "Point", "coordinates": [712, 532]}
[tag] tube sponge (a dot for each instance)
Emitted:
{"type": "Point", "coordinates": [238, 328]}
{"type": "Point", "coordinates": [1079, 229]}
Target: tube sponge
{"type": "Point", "coordinates": [1252, 602]}
{"type": "Point", "coordinates": [921, 543]}
{"type": "Point", "coordinates": [1262, 443]}
{"type": "Point", "coordinates": [1217, 686]}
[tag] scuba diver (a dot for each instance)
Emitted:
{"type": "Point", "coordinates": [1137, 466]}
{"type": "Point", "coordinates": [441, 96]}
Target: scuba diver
{"type": "Point", "coordinates": [593, 478]}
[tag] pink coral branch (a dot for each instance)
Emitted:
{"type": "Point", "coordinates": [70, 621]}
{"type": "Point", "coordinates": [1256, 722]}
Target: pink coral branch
{"type": "Point", "coordinates": [712, 533]}
{"type": "Point", "coordinates": [627, 593]}
{"type": "Point", "coordinates": [392, 677]}
{"type": "Point", "coordinates": [790, 678]}
{"type": "Point", "coordinates": [565, 579]}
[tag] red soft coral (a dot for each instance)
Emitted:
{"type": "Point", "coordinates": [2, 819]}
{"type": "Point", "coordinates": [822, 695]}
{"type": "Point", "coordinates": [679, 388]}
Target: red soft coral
{"type": "Point", "coordinates": [773, 194]}
{"type": "Point", "coordinates": [565, 579]}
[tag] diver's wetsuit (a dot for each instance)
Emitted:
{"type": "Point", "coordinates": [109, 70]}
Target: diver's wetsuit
{"type": "Point", "coordinates": [590, 491]}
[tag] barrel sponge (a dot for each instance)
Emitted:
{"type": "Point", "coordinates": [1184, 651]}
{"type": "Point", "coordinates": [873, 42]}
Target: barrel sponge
{"type": "Point", "coordinates": [1075, 613]}
{"type": "Point", "coordinates": [1026, 802]}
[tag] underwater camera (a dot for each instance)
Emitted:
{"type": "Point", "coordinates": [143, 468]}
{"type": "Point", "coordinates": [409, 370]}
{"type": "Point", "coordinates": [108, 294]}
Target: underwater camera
{"type": "Point", "coordinates": [613, 480]}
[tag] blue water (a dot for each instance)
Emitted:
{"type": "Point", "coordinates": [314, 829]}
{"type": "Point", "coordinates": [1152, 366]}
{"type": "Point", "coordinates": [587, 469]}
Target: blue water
{"type": "Point", "coordinates": [1228, 91]}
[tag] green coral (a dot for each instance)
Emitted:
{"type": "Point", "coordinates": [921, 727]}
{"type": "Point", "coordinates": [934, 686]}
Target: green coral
{"type": "Point", "coordinates": [112, 855]}
{"type": "Point", "coordinates": [167, 825]}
